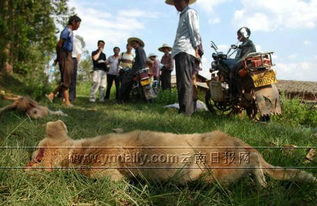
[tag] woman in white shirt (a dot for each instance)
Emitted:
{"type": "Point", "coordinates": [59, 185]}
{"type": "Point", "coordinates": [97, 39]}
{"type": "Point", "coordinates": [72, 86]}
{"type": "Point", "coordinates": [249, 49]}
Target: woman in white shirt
{"type": "Point", "coordinates": [125, 63]}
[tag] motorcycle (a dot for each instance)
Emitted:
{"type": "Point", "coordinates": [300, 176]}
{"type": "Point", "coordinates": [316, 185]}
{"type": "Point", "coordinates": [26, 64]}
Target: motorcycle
{"type": "Point", "coordinates": [255, 82]}
{"type": "Point", "coordinates": [143, 86]}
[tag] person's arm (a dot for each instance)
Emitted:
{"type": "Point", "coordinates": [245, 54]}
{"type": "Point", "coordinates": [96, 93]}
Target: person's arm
{"type": "Point", "coordinates": [59, 46]}
{"type": "Point", "coordinates": [97, 55]}
{"type": "Point", "coordinates": [193, 28]}
{"type": "Point", "coordinates": [78, 57]}
{"type": "Point", "coordinates": [80, 50]}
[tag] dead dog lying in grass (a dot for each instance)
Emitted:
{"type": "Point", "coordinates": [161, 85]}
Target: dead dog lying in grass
{"type": "Point", "coordinates": [157, 156]}
{"type": "Point", "coordinates": [30, 107]}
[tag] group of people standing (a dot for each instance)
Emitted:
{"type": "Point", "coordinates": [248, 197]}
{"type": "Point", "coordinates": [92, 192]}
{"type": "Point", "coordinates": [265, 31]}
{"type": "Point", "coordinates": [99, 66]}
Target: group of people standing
{"type": "Point", "coordinates": [186, 52]}
{"type": "Point", "coordinates": [121, 67]}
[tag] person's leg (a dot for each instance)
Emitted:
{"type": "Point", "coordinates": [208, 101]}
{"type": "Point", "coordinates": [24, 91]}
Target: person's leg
{"type": "Point", "coordinates": [102, 88]}
{"type": "Point", "coordinates": [184, 67]}
{"type": "Point", "coordinates": [168, 80]}
{"type": "Point", "coordinates": [128, 85]}
{"type": "Point", "coordinates": [72, 88]}
{"type": "Point", "coordinates": [67, 77]}
{"type": "Point", "coordinates": [125, 84]}
{"type": "Point", "coordinates": [117, 82]}
{"type": "Point", "coordinates": [163, 78]}
{"type": "Point", "coordinates": [96, 78]}
{"type": "Point", "coordinates": [110, 79]}
{"type": "Point", "coordinates": [59, 92]}
{"type": "Point", "coordinates": [233, 87]}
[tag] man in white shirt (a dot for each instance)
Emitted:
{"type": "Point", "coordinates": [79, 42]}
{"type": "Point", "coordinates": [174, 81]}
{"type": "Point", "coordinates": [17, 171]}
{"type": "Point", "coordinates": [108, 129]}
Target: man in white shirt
{"type": "Point", "coordinates": [113, 73]}
{"type": "Point", "coordinates": [186, 52]}
{"type": "Point", "coordinates": [76, 54]}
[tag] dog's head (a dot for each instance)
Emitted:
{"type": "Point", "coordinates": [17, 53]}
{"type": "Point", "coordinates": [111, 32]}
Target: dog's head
{"type": "Point", "coordinates": [50, 151]}
{"type": "Point", "coordinates": [37, 112]}
{"type": "Point", "coordinates": [56, 130]}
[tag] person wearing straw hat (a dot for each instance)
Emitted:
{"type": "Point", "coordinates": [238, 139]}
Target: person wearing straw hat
{"type": "Point", "coordinates": [168, 65]}
{"type": "Point", "coordinates": [140, 55]}
{"type": "Point", "coordinates": [139, 63]}
{"type": "Point", "coordinates": [186, 51]}
{"type": "Point", "coordinates": [155, 68]}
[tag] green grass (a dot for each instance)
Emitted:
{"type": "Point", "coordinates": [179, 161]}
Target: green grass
{"type": "Point", "coordinates": [87, 120]}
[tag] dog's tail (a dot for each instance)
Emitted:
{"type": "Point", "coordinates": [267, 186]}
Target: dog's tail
{"type": "Point", "coordinates": [58, 113]}
{"type": "Point", "coordinates": [280, 173]}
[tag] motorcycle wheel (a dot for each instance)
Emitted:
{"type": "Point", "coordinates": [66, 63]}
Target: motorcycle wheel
{"type": "Point", "coordinates": [218, 107]}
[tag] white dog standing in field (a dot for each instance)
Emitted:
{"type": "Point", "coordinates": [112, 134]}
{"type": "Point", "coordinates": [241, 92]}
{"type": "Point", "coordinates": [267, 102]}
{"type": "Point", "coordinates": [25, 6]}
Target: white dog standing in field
{"type": "Point", "coordinates": [210, 157]}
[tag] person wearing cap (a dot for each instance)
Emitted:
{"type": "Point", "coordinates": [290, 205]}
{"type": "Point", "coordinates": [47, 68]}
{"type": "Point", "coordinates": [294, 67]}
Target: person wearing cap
{"type": "Point", "coordinates": [64, 49]}
{"type": "Point", "coordinates": [186, 49]}
{"type": "Point", "coordinates": [140, 62]}
{"type": "Point", "coordinates": [155, 66]}
{"type": "Point", "coordinates": [168, 65]}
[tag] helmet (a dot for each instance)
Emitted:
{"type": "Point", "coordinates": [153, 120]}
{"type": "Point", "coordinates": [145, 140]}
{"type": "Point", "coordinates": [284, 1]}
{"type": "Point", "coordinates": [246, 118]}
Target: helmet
{"type": "Point", "coordinates": [244, 32]}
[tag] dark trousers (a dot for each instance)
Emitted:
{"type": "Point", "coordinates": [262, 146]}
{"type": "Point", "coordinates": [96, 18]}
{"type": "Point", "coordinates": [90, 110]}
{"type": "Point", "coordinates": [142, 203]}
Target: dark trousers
{"type": "Point", "coordinates": [110, 79]}
{"type": "Point", "coordinates": [72, 87]}
{"type": "Point", "coordinates": [66, 69]}
{"type": "Point", "coordinates": [184, 73]}
{"type": "Point", "coordinates": [234, 80]}
{"type": "Point", "coordinates": [126, 86]}
{"type": "Point", "coordinates": [166, 79]}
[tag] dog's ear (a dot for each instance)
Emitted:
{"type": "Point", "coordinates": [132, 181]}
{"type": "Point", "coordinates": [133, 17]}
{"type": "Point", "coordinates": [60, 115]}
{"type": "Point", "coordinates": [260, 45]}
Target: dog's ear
{"type": "Point", "coordinates": [56, 129]}
{"type": "Point", "coordinates": [63, 125]}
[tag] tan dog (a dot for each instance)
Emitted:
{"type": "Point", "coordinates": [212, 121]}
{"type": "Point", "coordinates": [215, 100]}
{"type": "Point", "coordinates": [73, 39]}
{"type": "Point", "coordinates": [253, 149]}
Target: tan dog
{"type": "Point", "coordinates": [30, 107]}
{"type": "Point", "coordinates": [158, 156]}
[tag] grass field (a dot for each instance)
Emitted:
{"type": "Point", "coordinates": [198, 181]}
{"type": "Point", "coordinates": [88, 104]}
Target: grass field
{"type": "Point", "coordinates": [296, 126]}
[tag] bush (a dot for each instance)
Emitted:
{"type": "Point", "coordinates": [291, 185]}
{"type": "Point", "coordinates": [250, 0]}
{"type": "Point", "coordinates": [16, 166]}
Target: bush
{"type": "Point", "coordinates": [167, 97]}
{"type": "Point", "coordinates": [296, 113]}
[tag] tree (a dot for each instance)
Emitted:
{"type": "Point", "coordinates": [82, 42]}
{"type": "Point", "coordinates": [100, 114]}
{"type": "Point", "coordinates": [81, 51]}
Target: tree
{"type": "Point", "coordinates": [29, 33]}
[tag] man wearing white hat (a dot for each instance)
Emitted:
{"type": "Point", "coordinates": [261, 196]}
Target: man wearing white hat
{"type": "Point", "coordinates": [186, 50]}
{"type": "Point", "coordinates": [168, 65]}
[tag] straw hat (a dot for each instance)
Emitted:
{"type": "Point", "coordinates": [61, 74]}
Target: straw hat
{"type": "Point", "coordinates": [171, 2]}
{"type": "Point", "coordinates": [137, 40]}
{"type": "Point", "coordinates": [165, 46]}
{"type": "Point", "coordinates": [152, 55]}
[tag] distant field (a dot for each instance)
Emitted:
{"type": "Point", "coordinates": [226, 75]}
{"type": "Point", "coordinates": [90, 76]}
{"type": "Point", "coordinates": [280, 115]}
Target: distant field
{"type": "Point", "coordinates": [300, 89]}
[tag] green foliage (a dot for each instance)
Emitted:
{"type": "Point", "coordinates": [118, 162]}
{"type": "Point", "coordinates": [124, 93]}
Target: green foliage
{"type": "Point", "coordinates": [296, 113]}
{"type": "Point", "coordinates": [88, 120]}
{"type": "Point", "coordinates": [167, 97]}
{"type": "Point", "coordinates": [29, 34]}
{"type": "Point", "coordinates": [85, 67]}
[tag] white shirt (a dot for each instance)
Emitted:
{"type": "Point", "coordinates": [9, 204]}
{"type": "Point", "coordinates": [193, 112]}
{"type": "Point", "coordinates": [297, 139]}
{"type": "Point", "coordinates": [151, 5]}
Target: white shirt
{"type": "Point", "coordinates": [114, 65]}
{"type": "Point", "coordinates": [187, 36]}
{"type": "Point", "coordinates": [77, 48]}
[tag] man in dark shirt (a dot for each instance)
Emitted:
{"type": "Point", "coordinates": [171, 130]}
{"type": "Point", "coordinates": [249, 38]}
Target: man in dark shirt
{"type": "Point", "coordinates": [139, 63]}
{"type": "Point", "coordinates": [99, 60]}
{"type": "Point", "coordinates": [246, 47]}
{"type": "Point", "coordinates": [140, 55]}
